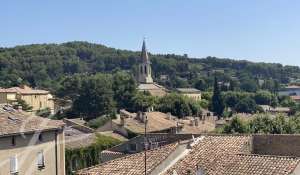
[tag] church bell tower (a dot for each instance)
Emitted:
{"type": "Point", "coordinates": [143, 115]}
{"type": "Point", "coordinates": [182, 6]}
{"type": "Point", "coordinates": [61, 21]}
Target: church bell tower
{"type": "Point", "coordinates": [144, 75]}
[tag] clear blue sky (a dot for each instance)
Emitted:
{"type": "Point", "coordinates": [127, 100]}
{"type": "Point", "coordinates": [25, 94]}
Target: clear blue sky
{"type": "Point", "coordinates": [257, 30]}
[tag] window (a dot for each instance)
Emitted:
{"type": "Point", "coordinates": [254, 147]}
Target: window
{"type": "Point", "coordinates": [40, 137]}
{"type": "Point", "coordinates": [40, 160]}
{"type": "Point", "coordinates": [40, 104]}
{"type": "Point", "coordinates": [141, 70]}
{"type": "Point", "coordinates": [13, 141]}
{"type": "Point", "coordinates": [14, 165]}
{"type": "Point", "coordinates": [132, 147]}
{"type": "Point", "coordinates": [145, 69]}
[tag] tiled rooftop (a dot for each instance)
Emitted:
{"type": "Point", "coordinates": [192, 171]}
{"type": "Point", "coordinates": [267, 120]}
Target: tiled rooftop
{"type": "Point", "coordinates": [229, 155]}
{"type": "Point", "coordinates": [14, 122]}
{"type": "Point", "coordinates": [132, 164]}
{"type": "Point", "coordinates": [24, 90]}
{"type": "Point", "coordinates": [153, 88]}
{"type": "Point", "coordinates": [188, 90]}
{"type": "Point", "coordinates": [157, 121]}
{"type": "Point", "coordinates": [210, 152]}
{"type": "Point", "coordinates": [259, 165]}
{"type": "Point", "coordinates": [213, 155]}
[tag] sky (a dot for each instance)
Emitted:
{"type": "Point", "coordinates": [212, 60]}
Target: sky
{"type": "Point", "coordinates": [255, 30]}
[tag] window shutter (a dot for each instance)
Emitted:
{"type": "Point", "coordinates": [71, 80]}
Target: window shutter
{"type": "Point", "coordinates": [14, 164]}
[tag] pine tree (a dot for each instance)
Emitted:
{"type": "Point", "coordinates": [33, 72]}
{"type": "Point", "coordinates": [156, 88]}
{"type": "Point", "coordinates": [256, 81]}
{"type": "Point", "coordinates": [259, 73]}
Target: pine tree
{"type": "Point", "coordinates": [217, 101]}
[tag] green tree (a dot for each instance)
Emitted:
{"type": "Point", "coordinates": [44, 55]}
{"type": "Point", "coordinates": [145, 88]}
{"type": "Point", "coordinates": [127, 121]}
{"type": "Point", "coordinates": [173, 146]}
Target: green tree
{"type": "Point", "coordinates": [246, 105]}
{"type": "Point", "coordinates": [124, 88]}
{"type": "Point", "coordinates": [263, 98]}
{"type": "Point", "coordinates": [217, 101]}
{"type": "Point", "coordinates": [249, 85]}
{"type": "Point", "coordinates": [25, 106]}
{"type": "Point", "coordinates": [95, 97]}
{"type": "Point", "coordinates": [143, 101]}
{"type": "Point", "coordinates": [236, 126]}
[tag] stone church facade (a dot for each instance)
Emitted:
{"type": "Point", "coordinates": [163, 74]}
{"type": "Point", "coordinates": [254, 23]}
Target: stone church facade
{"type": "Point", "coordinates": [145, 80]}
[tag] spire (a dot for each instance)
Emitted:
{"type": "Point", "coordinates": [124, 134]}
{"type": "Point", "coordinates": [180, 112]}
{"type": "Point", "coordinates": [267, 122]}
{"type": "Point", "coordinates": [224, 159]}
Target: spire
{"type": "Point", "coordinates": [144, 54]}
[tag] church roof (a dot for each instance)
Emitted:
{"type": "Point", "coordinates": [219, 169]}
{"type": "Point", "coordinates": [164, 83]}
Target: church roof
{"type": "Point", "coordinates": [153, 88]}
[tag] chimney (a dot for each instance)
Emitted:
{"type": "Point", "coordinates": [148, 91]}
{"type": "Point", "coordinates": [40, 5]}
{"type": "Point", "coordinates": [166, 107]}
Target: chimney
{"type": "Point", "coordinates": [192, 122]}
{"type": "Point", "coordinates": [20, 108]}
{"type": "Point", "coordinates": [169, 115]}
{"type": "Point", "coordinates": [196, 122]}
{"type": "Point", "coordinates": [141, 116]}
{"type": "Point", "coordinates": [144, 117]}
{"type": "Point", "coordinates": [122, 118]}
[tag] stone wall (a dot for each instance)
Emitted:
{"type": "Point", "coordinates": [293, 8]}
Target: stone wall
{"type": "Point", "coordinates": [282, 145]}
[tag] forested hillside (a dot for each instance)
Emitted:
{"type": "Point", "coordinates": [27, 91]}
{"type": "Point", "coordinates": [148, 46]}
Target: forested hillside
{"type": "Point", "coordinates": [46, 65]}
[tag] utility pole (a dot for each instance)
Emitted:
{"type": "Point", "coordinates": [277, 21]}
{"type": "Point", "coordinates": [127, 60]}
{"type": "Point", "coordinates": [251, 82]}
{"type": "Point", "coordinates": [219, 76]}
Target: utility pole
{"type": "Point", "coordinates": [145, 140]}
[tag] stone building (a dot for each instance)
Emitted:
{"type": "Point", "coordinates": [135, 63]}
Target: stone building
{"type": "Point", "coordinates": [190, 92]}
{"type": "Point", "coordinates": [146, 83]}
{"type": "Point", "coordinates": [38, 99]}
{"type": "Point", "coordinates": [132, 124]}
{"type": "Point", "coordinates": [30, 144]}
{"type": "Point", "coordinates": [290, 91]}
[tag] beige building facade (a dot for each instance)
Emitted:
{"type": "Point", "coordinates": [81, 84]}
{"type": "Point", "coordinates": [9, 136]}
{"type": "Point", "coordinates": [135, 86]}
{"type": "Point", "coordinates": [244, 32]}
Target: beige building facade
{"type": "Point", "coordinates": [38, 99]}
{"type": "Point", "coordinates": [30, 145]}
{"type": "Point", "coordinates": [190, 92]}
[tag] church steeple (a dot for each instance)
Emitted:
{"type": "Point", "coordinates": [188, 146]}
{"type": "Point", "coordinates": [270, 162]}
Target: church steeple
{"type": "Point", "coordinates": [144, 54]}
{"type": "Point", "coordinates": [144, 75]}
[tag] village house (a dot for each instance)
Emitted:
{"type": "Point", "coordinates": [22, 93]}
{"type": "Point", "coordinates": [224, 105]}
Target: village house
{"type": "Point", "coordinates": [146, 83]}
{"type": "Point", "coordinates": [132, 124]}
{"type": "Point", "coordinates": [296, 98]}
{"type": "Point", "coordinates": [190, 92]}
{"type": "Point", "coordinates": [137, 144]}
{"type": "Point", "coordinates": [275, 110]}
{"type": "Point", "coordinates": [231, 154]}
{"type": "Point", "coordinates": [30, 144]}
{"type": "Point", "coordinates": [291, 90]}
{"type": "Point", "coordinates": [37, 99]}
{"type": "Point", "coordinates": [79, 136]}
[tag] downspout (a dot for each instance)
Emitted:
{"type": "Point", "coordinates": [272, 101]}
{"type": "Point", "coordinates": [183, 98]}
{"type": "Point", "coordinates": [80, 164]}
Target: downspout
{"type": "Point", "coordinates": [56, 165]}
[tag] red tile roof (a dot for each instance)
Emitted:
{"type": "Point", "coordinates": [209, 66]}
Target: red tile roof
{"type": "Point", "coordinates": [230, 155]}
{"type": "Point", "coordinates": [132, 164]}
{"type": "Point", "coordinates": [297, 97]}
{"type": "Point", "coordinates": [25, 90]}
{"type": "Point", "coordinates": [13, 122]}
{"type": "Point", "coordinates": [213, 155]}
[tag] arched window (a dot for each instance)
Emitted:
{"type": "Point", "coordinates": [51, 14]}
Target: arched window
{"type": "Point", "coordinates": [145, 69]}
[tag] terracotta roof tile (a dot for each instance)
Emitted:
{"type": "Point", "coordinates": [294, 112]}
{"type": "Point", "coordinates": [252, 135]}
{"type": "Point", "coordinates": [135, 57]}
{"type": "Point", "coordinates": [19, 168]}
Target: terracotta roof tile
{"type": "Point", "coordinates": [26, 90]}
{"type": "Point", "coordinates": [259, 164]}
{"type": "Point", "coordinates": [229, 155]}
{"type": "Point", "coordinates": [132, 164]}
{"type": "Point", "coordinates": [157, 121]}
{"type": "Point", "coordinates": [15, 122]}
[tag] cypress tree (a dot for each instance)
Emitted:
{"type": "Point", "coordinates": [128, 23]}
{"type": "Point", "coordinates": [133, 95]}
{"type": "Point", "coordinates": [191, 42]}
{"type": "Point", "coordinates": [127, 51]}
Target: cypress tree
{"type": "Point", "coordinates": [217, 101]}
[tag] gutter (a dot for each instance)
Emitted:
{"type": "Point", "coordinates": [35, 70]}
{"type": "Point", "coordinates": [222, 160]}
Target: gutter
{"type": "Point", "coordinates": [56, 161]}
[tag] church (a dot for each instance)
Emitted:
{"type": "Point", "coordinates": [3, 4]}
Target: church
{"type": "Point", "coordinates": [145, 80]}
